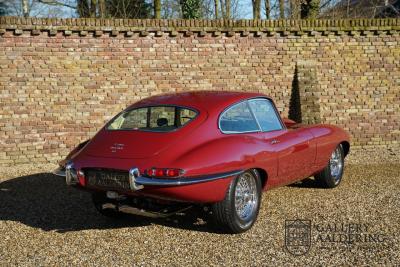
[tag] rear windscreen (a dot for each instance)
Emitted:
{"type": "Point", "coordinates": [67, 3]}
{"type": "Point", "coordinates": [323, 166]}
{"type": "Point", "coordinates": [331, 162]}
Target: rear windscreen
{"type": "Point", "coordinates": [156, 118]}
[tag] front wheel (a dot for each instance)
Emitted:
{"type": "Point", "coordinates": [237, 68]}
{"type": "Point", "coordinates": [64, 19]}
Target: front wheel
{"type": "Point", "coordinates": [331, 175]}
{"type": "Point", "coordinates": [239, 209]}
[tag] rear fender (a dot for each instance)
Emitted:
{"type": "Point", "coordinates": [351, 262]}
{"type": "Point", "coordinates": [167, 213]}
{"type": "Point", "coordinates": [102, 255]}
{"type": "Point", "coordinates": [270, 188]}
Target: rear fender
{"type": "Point", "coordinates": [227, 153]}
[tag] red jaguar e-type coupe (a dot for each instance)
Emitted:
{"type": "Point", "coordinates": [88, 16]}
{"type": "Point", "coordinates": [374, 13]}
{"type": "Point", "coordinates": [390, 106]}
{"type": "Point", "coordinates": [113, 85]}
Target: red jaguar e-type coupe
{"type": "Point", "coordinates": [220, 149]}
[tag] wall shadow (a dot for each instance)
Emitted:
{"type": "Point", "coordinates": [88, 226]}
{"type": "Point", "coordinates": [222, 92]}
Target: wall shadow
{"type": "Point", "coordinates": [43, 201]}
{"type": "Point", "coordinates": [295, 103]}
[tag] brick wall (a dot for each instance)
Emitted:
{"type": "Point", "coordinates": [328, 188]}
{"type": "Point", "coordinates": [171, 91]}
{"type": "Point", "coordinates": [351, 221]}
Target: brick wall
{"type": "Point", "coordinates": [61, 79]}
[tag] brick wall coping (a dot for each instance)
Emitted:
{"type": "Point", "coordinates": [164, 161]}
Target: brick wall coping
{"type": "Point", "coordinates": [173, 26]}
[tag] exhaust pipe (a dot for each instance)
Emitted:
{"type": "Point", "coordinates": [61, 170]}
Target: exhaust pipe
{"type": "Point", "coordinates": [141, 212]}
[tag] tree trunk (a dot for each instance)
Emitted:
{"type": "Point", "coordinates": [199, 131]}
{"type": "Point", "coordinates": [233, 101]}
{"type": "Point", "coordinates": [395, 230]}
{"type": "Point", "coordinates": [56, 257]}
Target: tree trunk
{"type": "Point", "coordinates": [228, 9]}
{"type": "Point", "coordinates": [216, 8]}
{"type": "Point", "coordinates": [93, 5]}
{"type": "Point", "coordinates": [267, 9]}
{"type": "Point", "coordinates": [102, 8]}
{"type": "Point", "coordinates": [83, 8]}
{"type": "Point", "coordinates": [256, 9]}
{"type": "Point", "coordinates": [282, 9]}
{"type": "Point", "coordinates": [25, 8]}
{"type": "Point", "coordinates": [157, 9]}
{"type": "Point", "coordinates": [223, 9]}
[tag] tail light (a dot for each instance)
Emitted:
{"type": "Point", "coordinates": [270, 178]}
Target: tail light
{"type": "Point", "coordinates": [164, 172]}
{"type": "Point", "coordinates": [81, 177]}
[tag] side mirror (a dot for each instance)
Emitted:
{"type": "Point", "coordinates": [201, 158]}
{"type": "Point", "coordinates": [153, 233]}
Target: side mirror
{"type": "Point", "coordinates": [289, 123]}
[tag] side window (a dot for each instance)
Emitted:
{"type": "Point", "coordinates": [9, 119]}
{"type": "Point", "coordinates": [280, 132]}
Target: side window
{"type": "Point", "coordinates": [266, 115]}
{"type": "Point", "coordinates": [162, 117]}
{"type": "Point", "coordinates": [238, 119]}
{"type": "Point", "coordinates": [186, 115]}
{"type": "Point", "coordinates": [130, 120]}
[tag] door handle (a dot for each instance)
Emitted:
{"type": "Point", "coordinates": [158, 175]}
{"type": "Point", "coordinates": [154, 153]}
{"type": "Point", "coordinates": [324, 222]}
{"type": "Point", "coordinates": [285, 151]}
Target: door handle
{"type": "Point", "coordinates": [274, 141]}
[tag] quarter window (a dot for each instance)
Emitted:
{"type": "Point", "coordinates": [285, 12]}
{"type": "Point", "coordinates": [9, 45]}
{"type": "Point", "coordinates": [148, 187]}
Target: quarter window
{"type": "Point", "coordinates": [265, 113]}
{"type": "Point", "coordinates": [238, 119]}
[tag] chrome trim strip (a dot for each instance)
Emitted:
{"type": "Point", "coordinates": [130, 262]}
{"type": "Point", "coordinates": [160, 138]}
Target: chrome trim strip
{"type": "Point", "coordinates": [184, 180]}
{"type": "Point", "coordinates": [59, 172]}
{"type": "Point", "coordinates": [71, 175]}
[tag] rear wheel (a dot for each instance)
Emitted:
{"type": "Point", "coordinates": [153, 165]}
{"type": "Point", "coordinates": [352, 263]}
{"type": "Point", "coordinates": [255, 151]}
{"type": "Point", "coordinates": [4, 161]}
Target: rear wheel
{"type": "Point", "coordinates": [331, 176]}
{"type": "Point", "coordinates": [239, 209]}
{"type": "Point", "coordinates": [104, 205]}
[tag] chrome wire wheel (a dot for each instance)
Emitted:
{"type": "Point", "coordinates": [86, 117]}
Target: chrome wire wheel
{"type": "Point", "coordinates": [246, 197]}
{"type": "Point", "coordinates": [336, 164]}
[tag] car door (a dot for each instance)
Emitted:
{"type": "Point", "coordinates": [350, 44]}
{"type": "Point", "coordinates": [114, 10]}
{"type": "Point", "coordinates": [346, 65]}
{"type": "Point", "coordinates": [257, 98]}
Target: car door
{"type": "Point", "coordinates": [295, 152]}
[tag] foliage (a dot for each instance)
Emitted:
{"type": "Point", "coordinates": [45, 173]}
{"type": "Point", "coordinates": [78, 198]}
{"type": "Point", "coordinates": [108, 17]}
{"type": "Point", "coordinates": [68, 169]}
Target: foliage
{"type": "Point", "coordinates": [191, 9]}
{"type": "Point", "coordinates": [310, 8]}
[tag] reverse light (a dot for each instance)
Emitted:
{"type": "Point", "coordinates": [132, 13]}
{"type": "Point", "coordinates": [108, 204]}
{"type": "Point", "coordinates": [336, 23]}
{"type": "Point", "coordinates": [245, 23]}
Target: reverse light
{"type": "Point", "coordinates": [164, 172]}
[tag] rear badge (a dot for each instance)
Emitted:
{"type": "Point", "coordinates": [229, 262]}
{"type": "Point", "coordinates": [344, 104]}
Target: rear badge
{"type": "Point", "coordinates": [116, 147]}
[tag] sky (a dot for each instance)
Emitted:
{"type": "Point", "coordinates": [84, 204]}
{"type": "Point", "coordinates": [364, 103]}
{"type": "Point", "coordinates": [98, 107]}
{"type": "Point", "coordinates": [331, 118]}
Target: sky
{"type": "Point", "coordinates": [43, 10]}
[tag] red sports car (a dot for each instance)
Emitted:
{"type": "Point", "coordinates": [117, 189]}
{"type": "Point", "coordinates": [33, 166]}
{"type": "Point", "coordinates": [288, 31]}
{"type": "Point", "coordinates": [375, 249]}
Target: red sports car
{"type": "Point", "coordinates": [219, 149]}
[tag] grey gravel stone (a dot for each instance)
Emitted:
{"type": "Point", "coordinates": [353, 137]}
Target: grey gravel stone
{"type": "Point", "coordinates": [43, 222]}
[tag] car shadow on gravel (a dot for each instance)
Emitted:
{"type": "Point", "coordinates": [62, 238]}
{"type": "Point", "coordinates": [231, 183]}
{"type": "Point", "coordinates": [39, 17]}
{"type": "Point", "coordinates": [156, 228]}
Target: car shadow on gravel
{"type": "Point", "coordinates": [307, 183]}
{"type": "Point", "coordinates": [43, 201]}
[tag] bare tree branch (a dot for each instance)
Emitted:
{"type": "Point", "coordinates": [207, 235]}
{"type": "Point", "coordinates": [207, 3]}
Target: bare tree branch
{"type": "Point", "coordinates": [56, 3]}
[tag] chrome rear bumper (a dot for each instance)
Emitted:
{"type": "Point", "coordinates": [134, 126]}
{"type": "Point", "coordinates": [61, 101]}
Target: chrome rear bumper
{"type": "Point", "coordinates": [184, 180]}
{"type": "Point", "coordinates": [60, 171]}
{"type": "Point", "coordinates": [138, 182]}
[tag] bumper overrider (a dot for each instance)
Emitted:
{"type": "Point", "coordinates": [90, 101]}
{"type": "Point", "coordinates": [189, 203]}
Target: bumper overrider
{"type": "Point", "coordinates": [137, 182]}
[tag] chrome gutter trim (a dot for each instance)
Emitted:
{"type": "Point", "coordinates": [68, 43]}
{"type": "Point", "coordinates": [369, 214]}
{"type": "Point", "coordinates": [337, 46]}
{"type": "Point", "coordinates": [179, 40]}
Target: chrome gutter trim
{"type": "Point", "coordinates": [184, 180]}
{"type": "Point", "coordinates": [60, 172]}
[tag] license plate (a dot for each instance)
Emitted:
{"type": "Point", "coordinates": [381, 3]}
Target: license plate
{"type": "Point", "coordinates": [108, 179]}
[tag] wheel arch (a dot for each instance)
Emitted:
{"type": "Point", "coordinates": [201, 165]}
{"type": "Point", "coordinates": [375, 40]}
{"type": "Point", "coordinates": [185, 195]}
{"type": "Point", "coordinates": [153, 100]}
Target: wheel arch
{"type": "Point", "coordinates": [263, 176]}
{"type": "Point", "coordinates": [346, 147]}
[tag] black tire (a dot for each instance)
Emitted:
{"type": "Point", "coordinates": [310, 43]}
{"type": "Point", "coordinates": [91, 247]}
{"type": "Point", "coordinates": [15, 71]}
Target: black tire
{"type": "Point", "coordinates": [100, 198]}
{"type": "Point", "coordinates": [325, 178]}
{"type": "Point", "coordinates": [224, 213]}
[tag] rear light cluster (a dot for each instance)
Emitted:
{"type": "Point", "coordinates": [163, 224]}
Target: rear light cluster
{"type": "Point", "coordinates": [163, 172]}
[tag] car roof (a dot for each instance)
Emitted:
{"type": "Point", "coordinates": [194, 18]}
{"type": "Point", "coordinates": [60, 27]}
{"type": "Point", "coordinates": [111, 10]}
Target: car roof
{"type": "Point", "coordinates": [202, 100]}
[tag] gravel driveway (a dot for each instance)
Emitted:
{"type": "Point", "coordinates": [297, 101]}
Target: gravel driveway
{"type": "Point", "coordinates": [43, 222]}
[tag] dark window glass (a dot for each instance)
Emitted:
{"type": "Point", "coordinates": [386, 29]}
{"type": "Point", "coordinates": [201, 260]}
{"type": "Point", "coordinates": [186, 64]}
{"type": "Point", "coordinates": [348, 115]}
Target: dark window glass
{"type": "Point", "coordinates": [264, 111]}
{"type": "Point", "coordinates": [238, 119]}
{"type": "Point", "coordinates": [157, 118]}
